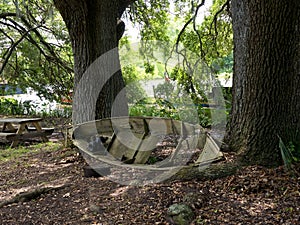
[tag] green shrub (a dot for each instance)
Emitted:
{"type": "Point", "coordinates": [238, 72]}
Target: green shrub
{"type": "Point", "coordinates": [10, 106]}
{"type": "Point", "coordinates": [160, 107]}
{"type": "Point", "coordinates": [65, 112]}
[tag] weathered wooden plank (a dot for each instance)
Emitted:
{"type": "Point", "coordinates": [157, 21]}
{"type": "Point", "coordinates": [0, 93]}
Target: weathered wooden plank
{"type": "Point", "coordinates": [6, 134]}
{"type": "Point", "coordinates": [131, 147]}
{"type": "Point", "coordinates": [82, 145]}
{"type": "Point", "coordinates": [20, 120]}
{"type": "Point", "coordinates": [33, 134]}
{"type": "Point", "coordinates": [92, 128]}
{"type": "Point", "coordinates": [160, 126]}
{"type": "Point", "coordinates": [24, 136]}
{"type": "Point", "coordinates": [119, 147]}
{"type": "Point", "coordinates": [201, 139]}
{"type": "Point", "coordinates": [9, 127]}
{"type": "Point", "coordinates": [147, 146]}
{"type": "Point", "coordinates": [135, 137]}
{"type": "Point", "coordinates": [47, 130]}
{"type": "Point", "coordinates": [210, 152]}
{"type": "Point", "coordinates": [104, 127]}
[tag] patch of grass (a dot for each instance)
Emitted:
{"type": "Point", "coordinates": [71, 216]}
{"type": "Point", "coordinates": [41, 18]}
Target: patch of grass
{"type": "Point", "coordinates": [8, 154]}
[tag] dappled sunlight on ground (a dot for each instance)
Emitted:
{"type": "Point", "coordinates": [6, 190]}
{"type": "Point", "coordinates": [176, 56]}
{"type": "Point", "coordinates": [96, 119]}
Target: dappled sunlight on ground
{"type": "Point", "coordinates": [255, 195]}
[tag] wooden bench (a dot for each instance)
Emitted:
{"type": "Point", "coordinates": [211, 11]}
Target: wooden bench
{"type": "Point", "coordinates": [13, 137]}
{"type": "Point", "coordinates": [8, 136]}
{"type": "Point", "coordinates": [20, 129]}
{"type": "Point", "coordinates": [46, 130]}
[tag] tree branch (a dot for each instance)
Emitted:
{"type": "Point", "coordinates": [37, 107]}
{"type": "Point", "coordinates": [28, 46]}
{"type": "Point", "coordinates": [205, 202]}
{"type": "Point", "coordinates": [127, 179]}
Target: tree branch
{"type": "Point", "coordinates": [15, 44]}
{"type": "Point", "coordinates": [193, 18]}
{"type": "Point", "coordinates": [196, 30]}
{"type": "Point", "coordinates": [7, 36]}
{"type": "Point", "coordinates": [53, 55]}
{"type": "Point", "coordinates": [176, 46]}
{"type": "Point", "coordinates": [215, 20]}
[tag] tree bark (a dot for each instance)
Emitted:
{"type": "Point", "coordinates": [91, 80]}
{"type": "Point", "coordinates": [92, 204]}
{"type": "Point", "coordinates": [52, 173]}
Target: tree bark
{"type": "Point", "coordinates": [92, 25]}
{"type": "Point", "coordinates": [266, 97]}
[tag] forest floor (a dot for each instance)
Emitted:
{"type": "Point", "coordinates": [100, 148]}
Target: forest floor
{"type": "Point", "coordinates": [46, 186]}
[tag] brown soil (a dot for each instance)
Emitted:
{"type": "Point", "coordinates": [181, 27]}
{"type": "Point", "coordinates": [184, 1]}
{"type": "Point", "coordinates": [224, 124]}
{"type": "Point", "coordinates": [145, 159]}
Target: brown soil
{"type": "Point", "coordinates": [255, 195]}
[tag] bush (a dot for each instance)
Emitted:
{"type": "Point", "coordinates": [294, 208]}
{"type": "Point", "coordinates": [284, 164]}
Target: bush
{"type": "Point", "coordinates": [10, 106]}
{"type": "Point", "coordinates": [159, 107]}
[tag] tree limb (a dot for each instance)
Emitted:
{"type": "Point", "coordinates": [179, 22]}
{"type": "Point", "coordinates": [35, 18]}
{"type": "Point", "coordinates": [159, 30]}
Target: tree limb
{"type": "Point", "coordinates": [15, 44]}
{"type": "Point", "coordinates": [196, 30]}
{"type": "Point", "coordinates": [193, 18]}
{"type": "Point", "coordinates": [215, 20]}
{"type": "Point", "coordinates": [53, 55]}
{"type": "Point", "coordinates": [7, 36]}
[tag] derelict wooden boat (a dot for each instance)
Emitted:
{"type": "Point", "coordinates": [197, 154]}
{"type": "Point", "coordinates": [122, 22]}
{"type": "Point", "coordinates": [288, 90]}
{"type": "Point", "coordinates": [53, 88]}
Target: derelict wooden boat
{"type": "Point", "coordinates": [129, 141]}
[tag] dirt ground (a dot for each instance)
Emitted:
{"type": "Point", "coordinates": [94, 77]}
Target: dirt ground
{"type": "Point", "coordinates": [60, 194]}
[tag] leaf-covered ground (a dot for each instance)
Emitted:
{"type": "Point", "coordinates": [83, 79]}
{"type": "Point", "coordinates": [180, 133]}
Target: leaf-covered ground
{"type": "Point", "coordinates": [255, 195]}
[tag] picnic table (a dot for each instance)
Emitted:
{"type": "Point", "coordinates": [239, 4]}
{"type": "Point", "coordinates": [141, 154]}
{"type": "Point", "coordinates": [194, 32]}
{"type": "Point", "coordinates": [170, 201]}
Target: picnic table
{"type": "Point", "coordinates": [17, 129]}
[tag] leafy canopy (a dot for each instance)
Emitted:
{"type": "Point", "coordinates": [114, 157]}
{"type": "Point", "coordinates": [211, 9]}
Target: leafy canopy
{"type": "Point", "coordinates": [37, 53]}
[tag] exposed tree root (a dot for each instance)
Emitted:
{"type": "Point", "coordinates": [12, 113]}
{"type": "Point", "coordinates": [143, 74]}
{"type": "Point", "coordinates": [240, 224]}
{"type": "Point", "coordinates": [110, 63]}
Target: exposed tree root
{"type": "Point", "coordinates": [31, 194]}
{"type": "Point", "coordinates": [210, 172]}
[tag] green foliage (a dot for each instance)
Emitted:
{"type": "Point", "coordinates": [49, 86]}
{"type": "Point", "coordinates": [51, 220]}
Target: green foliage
{"type": "Point", "coordinates": [212, 40]}
{"type": "Point", "coordinates": [136, 65]}
{"type": "Point", "coordinates": [223, 65]}
{"type": "Point", "coordinates": [134, 91]}
{"type": "Point", "coordinates": [227, 94]}
{"type": "Point", "coordinates": [290, 153]}
{"type": "Point", "coordinates": [41, 54]}
{"type": "Point", "coordinates": [8, 154]}
{"type": "Point", "coordinates": [65, 112]}
{"type": "Point", "coordinates": [169, 102]}
{"type": "Point", "coordinates": [152, 160]}
{"type": "Point", "coordinates": [152, 17]}
{"type": "Point", "coordinates": [149, 68]}
{"type": "Point", "coordinates": [190, 84]}
{"type": "Point", "coordinates": [164, 90]}
{"type": "Point", "coordinates": [154, 109]}
{"type": "Point", "coordinates": [294, 145]}
{"type": "Point", "coordinates": [10, 106]}
{"type": "Point", "coordinates": [295, 151]}
{"type": "Point", "coordinates": [36, 50]}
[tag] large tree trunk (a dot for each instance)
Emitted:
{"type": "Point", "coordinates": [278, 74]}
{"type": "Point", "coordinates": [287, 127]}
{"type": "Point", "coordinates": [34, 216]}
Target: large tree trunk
{"type": "Point", "coordinates": [266, 97]}
{"type": "Point", "coordinates": [92, 25]}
